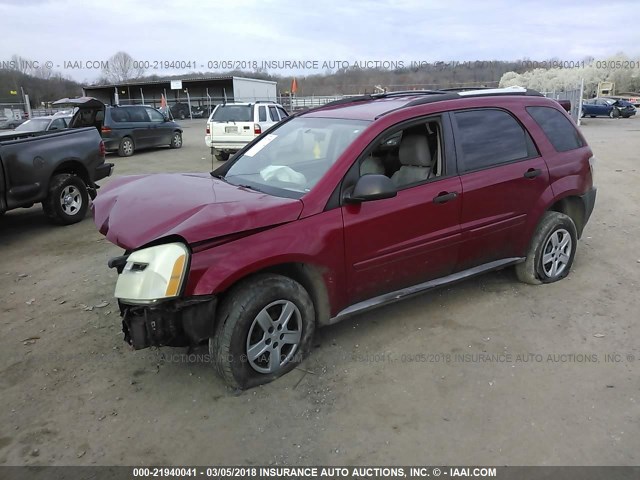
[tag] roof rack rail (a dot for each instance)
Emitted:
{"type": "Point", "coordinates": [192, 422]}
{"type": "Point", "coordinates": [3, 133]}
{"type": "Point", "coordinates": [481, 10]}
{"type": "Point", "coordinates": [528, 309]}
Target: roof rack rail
{"type": "Point", "coordinates": [342, 101]}
{"type": "Point", "coordinates": [264, 101]}
{"type": "Point", "coordinates": [406, 92]}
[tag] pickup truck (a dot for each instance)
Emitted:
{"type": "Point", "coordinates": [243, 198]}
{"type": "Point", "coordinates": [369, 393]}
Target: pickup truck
{"type": "Point", "coordinates": [57, 169]}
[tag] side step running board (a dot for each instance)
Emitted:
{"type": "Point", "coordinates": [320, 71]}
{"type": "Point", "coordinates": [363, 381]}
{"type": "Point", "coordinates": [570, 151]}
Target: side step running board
{"type": "Point", "coordinates": [392, 297]}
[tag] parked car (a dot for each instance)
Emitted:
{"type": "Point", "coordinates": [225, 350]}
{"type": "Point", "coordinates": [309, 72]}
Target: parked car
{"type": "Point", "coordinates": [125, 128]}
{"type": "Point", "coordinates": [58, 169]}
{"type": "Point", "coordinates": [180, 110]}
{"type": "Point", "coordinates": [606, 107]}
{"type": "Point", "coordinates": [232, 125]}
{"type": "Point", "coordinates": [341, 209]}
{"type": "Point", "coordinates": [10, 123]}
{"type": "Point", "coordinates": [45, 124]}
{"type": "Point", "coordinates": [199, 111]}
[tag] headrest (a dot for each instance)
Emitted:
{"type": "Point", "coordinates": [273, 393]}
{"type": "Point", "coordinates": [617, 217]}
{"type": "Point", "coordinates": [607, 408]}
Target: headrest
{"type": "Point", "coordinates": [414, 150]}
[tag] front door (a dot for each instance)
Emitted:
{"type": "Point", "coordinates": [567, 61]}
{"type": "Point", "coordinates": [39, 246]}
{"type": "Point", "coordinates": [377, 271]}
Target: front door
{"type": "Point", "coordinates": [414, 237]}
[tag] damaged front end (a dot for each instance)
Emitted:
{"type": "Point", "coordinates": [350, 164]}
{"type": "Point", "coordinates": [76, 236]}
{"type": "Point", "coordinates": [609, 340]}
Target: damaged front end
{"type": "Point", "coordinates": [173, 323]}
{"type": "Point", "coordinates": [150, 292]}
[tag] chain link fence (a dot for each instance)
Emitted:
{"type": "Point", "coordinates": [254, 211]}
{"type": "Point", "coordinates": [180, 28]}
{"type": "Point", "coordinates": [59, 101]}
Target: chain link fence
{"type": "Point", "coordinates": [574, 95]}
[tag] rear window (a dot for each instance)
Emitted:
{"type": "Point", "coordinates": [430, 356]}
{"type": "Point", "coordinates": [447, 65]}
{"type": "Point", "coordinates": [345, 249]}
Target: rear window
{"type": "Point", "coordinates": [34, 125]}
{"type": "Point", "coordinates": [233, 113]}
{"type": "Point", "coordinates": [560, 131]}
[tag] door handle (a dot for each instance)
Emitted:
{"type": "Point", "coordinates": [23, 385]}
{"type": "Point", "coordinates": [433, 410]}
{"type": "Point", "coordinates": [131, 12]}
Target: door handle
{"type": "Point", "coordinates": [532, 173]}
{"type": "Point", "coordinates": [444, 197]}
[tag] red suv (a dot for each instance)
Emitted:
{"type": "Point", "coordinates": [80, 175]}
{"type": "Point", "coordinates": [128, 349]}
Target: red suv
{"type": "Point", "coordinates": [341, 209]}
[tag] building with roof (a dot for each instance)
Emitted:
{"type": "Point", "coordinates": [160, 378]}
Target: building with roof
{"type": "Point", "coordinates": [203, 91]}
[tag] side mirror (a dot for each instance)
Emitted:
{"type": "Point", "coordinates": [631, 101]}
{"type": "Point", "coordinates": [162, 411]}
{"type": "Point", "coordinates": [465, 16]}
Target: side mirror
{"type": "Point", "coordinates": [371, 187]}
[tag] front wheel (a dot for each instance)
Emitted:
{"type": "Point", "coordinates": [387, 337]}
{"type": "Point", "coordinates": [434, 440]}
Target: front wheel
{"type": "Point", "coordinates": [552, 250]}
{"type": "Point", "coordinates": [176, 140]}
{"type": "Point", "coordinates": [265, 327]}
{"type": "Point", "coordinates": [67, 201]}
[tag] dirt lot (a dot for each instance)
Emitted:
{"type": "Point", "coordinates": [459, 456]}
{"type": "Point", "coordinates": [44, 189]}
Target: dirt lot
{"type": "Point", "coordinates": [74, 394]}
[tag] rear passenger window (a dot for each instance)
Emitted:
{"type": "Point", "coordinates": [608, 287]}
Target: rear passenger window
{"type": "Point", "coordinates": [560, 131]}
{"type": "Point", "coordinates": [283, 114]}
{"type": "Point", "coordinates": [491, 137]}
{"type": "Point", "coordinates": [274, 114]}
{"type": "Point", "coordinates": [262, 114]}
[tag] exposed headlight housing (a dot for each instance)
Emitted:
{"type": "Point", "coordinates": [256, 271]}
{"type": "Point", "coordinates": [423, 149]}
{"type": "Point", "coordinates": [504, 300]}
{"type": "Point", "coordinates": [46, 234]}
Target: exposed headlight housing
{"type": "Point", "coordinates": [152, 274]}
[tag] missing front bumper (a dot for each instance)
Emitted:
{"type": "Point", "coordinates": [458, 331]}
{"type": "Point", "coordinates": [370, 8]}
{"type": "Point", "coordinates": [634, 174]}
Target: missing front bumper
{"type": "Point", "coordinates": [173, 323]}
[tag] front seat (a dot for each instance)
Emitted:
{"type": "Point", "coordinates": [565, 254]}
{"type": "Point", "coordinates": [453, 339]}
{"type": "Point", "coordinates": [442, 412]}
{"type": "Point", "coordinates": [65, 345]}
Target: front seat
{"type": "Point", "coordinates": [372, 164]}
{"type": "Point", "coordinates": [415, 160]}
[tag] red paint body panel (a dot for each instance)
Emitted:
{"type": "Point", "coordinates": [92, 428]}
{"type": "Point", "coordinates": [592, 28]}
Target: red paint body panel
{"type": "Point", "coordinates": [401, 241]}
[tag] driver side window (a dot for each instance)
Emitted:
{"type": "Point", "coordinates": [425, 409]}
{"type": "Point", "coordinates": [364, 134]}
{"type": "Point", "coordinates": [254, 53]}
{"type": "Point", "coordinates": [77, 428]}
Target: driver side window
{"type": "Point", "coordinates": [408, 157]}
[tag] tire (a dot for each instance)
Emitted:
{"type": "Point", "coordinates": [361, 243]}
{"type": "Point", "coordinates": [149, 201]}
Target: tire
{"type": "Point", "coordinates": [182, 116]}
{"type": "Point", "coordinates": [67, 201]}
{"type": "Point", "coordinates": [176, 140]}
{"type": "Point", "coordinates": [126, 147]}
{"type": "Point", "coordinates": [614, 113]}
{"type": "Point", "coordinates": [551, 252]}
{"type": "Point", "coordinates": [222, 156]}
{"type": "Point", "coordinates": [251, 327]}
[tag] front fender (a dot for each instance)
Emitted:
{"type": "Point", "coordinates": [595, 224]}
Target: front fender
{"type": "Point", "coordinates": [315, 240]}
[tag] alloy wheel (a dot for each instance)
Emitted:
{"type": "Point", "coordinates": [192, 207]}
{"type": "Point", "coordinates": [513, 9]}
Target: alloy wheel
{"type": "Point", "coordinates": [274, 336]}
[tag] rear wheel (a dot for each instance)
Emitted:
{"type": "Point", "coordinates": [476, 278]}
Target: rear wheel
{"type": "Point", "coordinates": [552, 250]}
{"type": "Point", "coordinates": [126, 147]}
{"type": "Point", "coordinates": [176, 140]}
{"type": "Point", "coordinates": [222, 156]}
{"type": "Point", "coordinates": [67, 201]}
{"type": "Point", "coordinates": [265, 327]}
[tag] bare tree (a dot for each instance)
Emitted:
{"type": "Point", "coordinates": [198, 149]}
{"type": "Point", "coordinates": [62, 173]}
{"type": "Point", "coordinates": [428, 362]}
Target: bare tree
{"type": "Point", "coordinates": [122, 67]}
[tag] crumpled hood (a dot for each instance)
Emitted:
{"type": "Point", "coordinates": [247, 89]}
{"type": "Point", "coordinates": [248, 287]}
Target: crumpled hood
{"type": "Point", "coordinates": [133, 211]}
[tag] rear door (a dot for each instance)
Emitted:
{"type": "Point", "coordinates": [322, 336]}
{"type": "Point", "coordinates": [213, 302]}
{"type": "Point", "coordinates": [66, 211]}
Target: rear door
{"type": "Point", "coordinates": [503, 177]}
{"type": "Point", "coordinates": [232, 125]}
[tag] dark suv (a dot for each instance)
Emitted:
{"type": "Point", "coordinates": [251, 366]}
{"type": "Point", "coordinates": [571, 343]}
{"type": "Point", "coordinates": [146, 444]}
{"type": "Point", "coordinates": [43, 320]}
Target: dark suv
{"type": "Point", "coordinates": [126, 128]}
{"type": "Point", "coordinates": [341, 209]}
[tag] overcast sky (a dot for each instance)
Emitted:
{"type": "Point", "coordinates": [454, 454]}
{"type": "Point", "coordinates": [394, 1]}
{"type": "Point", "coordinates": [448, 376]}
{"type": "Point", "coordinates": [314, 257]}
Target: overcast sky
{"type": "Point", "coordinates": [70, 30]}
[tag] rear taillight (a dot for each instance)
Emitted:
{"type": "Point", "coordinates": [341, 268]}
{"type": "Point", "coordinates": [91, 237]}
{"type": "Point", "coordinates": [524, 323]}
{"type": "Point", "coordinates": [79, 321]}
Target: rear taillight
{"type": "Point", "coordinates": [208, 130]}
{"type": "Point", "coordinates": [105, 130]}
{"type": "Point", "coordinates": [103, 150]}
{"type": "Point", "coordinates": [256, 129]}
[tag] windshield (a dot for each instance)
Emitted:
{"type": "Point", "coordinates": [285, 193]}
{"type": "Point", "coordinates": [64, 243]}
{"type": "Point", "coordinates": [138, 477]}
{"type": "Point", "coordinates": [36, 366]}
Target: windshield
{"type": "Point", "coordinates": [294, 156]}
{"type": "Point", "coordinates": [232, 113]}
{"type": "Point", "coordinates": [34, 125]}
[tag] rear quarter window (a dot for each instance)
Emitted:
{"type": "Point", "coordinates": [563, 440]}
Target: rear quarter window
{"type": "Point", "coordinates": [233, 113]}
{"type": "Point", "coordinates": [560, 131]}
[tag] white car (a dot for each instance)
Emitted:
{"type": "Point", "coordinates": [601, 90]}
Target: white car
{"type": "Point", "coordinates": [232, 125]}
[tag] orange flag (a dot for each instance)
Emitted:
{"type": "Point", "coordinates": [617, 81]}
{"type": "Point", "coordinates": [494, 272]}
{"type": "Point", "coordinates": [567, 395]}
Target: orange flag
{"type": "Point", "coordinates": [294, 86]}
{"type": "Point", "coordinates": [163, 102]}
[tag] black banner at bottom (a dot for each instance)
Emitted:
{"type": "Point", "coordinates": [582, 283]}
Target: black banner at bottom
{"type": "Point", "coordinates": [330, 473]}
